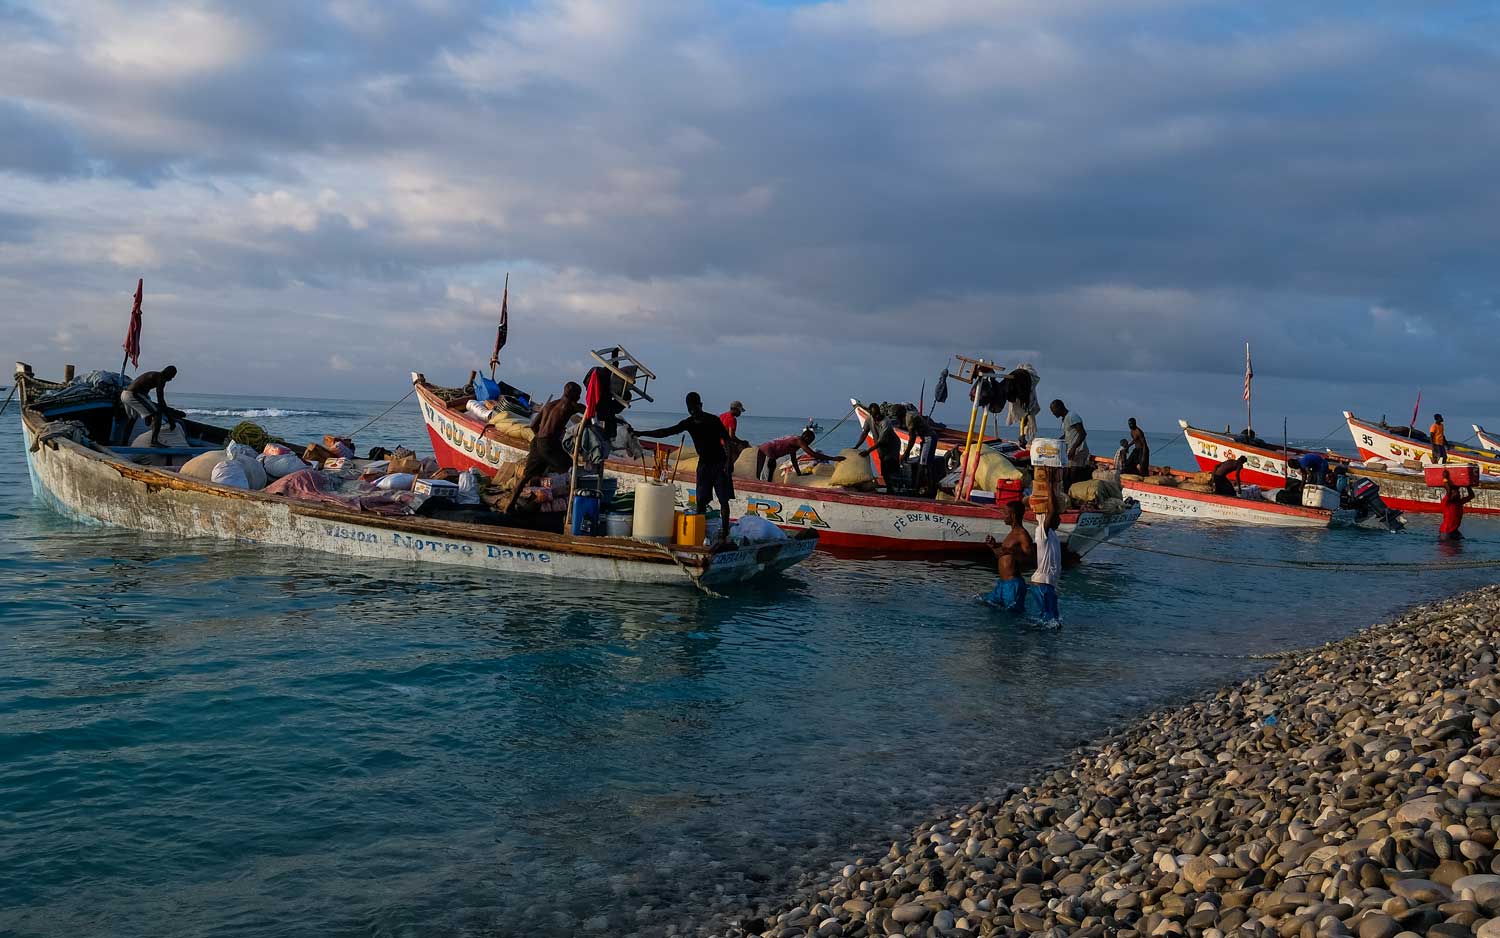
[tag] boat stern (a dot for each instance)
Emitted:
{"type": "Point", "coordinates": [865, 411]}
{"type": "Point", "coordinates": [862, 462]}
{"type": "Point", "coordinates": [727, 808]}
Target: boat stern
{"type": "Point", "coordinates": [758, 558]}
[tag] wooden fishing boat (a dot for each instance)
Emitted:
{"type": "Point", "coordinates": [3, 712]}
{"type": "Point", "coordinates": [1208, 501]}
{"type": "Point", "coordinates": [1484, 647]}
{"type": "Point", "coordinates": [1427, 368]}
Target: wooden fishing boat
{"type": "Point", "coordinates": [1378, 441]}
{"type": "Point", "coordinates": [844, 519]}
{"type": "Point", "coordinates": [1402, 489]}
{"type": "Point", "coordinates": [91, 481]}
{"type": "Point", "coordinates": [1487, 439]}
{"type": "Point", "coordinates": [1176, 502]}
{"type": "Point", "coordinates": [949, 438]}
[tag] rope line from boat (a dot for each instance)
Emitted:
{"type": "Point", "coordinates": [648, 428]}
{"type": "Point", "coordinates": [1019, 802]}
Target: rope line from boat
{"type": "Point", "coordinates": [354, 433]}
{"type": "Point", "coordinates": [7, 399]}
{"type": "Point", "coordinates": [829, 433]}
{"type": "Point", "coordinates": [692, 577]}
{"type": "Point", "coordinates": [1413, 566]}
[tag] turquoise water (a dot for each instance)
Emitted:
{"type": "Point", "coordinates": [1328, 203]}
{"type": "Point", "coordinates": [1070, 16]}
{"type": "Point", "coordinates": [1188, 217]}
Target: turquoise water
{"type": "Point", "coordinates": [200, 737]}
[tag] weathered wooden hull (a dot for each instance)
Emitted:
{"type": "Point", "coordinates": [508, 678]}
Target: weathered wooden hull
{"type": "Point", "coordinates": [91, 486]}
{"type": "Point", "coordinates": [1410, 492]}
{"type": "Point", "coordinates": [851, 520]}
{"type": "Point", "coordinates": [1264, 467]}
{"type": "Point", "coordinates": [1201, 506]}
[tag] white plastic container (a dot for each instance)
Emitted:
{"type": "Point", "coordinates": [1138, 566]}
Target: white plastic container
{"type": "Point", "coordinates": [1319, 496]}
{"type": "Point", "coordinates": [655, 503]}
{"type": "Point", "coordinates": [1046, 451]}
{"type": "Point", "coordinates": [618, 524]}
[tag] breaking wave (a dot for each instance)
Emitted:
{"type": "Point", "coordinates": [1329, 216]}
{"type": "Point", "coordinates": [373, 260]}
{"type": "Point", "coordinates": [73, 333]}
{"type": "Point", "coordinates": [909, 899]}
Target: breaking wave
{"type": "Point", "coordinates": [250, 412]}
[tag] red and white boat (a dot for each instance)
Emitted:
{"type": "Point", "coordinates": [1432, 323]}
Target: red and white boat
{"type": "Point", "coordinates": [1176, 502]}
{"type": "Point", "coordinates": [1377, 441]}
{"type": "Point", "coordinates": [1402, 489]}
{"type": "Point", "coordinates": [1265, 465]}
{"type": "Point", "coordinates": [1488, 440]}
{"type": "Point", "coordinates": [949, 438]}
{"type": "Point", "coordinates": [842, 518]}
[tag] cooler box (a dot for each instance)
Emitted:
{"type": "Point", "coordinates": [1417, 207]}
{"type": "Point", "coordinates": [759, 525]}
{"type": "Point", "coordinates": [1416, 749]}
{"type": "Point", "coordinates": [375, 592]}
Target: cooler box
{"type": "Point", "coordinates": [1461, 474]}
{"type": "Point", "coordinates": [1319, 496]}
{"type": "Point", "coordinates": [436, 487]}
{"type": "Point", "coordinates": [1048, 452]}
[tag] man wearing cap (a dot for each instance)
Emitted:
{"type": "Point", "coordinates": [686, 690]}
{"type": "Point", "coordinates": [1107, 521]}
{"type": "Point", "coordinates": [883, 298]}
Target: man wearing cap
{"type": "Point", "coordinates": [731, 421]}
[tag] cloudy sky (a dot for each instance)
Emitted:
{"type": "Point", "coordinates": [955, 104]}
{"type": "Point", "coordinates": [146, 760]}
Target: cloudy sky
{"type": "Point", "coordinates": [785, 203]}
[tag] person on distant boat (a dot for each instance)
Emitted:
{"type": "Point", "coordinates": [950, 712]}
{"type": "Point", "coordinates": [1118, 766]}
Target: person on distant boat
{"type": "Point", "coordinates": [886, 445]}
{"type": "Point", "coordinates": [1453, 503]}
{"type": "Point", "coordinates": [1313, 467]}
{"type": "Point", "coordinates": [771, 452]}
{"type": "Point", "coordinates": [710, 439]}
{"type": "Point", "coordinates": [1018, 550]}
{"type": "Point", "coordinates": [1140, 450]}
{"type": "Point", "coordinates": [1439, 440]}
{"type": "Point", "coordinates": [731, 421]}
{"type": "Point", "coordinates": [1222, 472]}
{"type": "Point", "coordinates": [1048, 565]}
{"type": "Point", "coordinates": [1122, 460]}
{"type": "Point", "coordinates": [1340, 481]}
{"type": "Point", "coordinates": [1075, 443]}
{"type": "Point", "coordinates": [136, 401]}
{"type": "Point", "coordinates": [547, 453]}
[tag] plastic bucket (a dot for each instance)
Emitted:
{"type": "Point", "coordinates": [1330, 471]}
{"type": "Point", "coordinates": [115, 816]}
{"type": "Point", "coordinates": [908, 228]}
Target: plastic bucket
{"type": "Point", "coordinates": [619, 524]}
{"type": "Point", "coordinates": [586, 512]}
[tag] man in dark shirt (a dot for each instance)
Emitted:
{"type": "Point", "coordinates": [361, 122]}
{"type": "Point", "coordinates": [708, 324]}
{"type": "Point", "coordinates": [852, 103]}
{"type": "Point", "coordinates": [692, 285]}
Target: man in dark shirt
{"type": "Point", "coordinates": [709, 439]}
{"type": "Point", "coordinates": [136, 401]}
{"type": "Point", "coordinates": [885, 444]}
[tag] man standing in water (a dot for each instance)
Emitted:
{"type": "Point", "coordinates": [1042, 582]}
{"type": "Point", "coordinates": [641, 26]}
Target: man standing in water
{"type": "Point", "coordinates": [1048, 566]}
{"type": "Point", "coordinates": [1453, 509]}
{"type": "Point", "coordinates": [1016, 550]}
{"type": "Point", "coordinates": [710, 438]}
{"type": "Point", "coordinates": [547, 453]}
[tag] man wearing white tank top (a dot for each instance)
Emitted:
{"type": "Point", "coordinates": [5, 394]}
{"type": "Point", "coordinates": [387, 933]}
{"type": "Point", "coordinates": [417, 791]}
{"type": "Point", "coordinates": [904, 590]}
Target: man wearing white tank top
{"type": "Point", "coordinates": [1048, 566]}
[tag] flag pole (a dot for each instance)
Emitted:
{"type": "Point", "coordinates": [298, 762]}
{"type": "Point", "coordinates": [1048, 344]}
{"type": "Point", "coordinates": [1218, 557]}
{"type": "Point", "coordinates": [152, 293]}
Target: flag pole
{"type": "Point", "coordinates": [503, 328]}
{"type": "Point", "coordinates": [1249, 424]}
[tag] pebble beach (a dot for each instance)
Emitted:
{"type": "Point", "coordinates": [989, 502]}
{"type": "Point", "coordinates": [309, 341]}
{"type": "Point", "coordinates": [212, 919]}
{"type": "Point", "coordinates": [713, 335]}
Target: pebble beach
{"type": "Point", "coordinates": [1351, 789]}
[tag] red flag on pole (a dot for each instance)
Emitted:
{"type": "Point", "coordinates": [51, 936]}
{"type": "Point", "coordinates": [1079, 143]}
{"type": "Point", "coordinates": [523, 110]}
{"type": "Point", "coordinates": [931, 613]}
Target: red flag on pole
{"type": "Point", "coordinates": [1248, 372]}
{"type": "Point", "coordinates": [504, 328]}
{"type": "Point", "coordinates": [1416, 409]}
{"type": "Point", "coordinates": [133, 334]}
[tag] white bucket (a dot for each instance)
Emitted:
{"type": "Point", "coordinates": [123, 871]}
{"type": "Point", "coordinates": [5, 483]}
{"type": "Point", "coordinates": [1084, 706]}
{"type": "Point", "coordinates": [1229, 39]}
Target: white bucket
{"type": "Point", "coordinates": [618, 524]}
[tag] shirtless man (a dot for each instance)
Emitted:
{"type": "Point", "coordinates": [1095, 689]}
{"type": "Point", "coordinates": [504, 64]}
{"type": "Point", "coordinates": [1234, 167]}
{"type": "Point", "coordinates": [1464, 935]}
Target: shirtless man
{"type": "Point", "coordinates": [136, 399]}
{"type": "Point", "coordinates": [1139, 457]}
{"type": "Point", "coordinates": [1017, 550]}
{"type": "Point", "coordinates": [547, 453]}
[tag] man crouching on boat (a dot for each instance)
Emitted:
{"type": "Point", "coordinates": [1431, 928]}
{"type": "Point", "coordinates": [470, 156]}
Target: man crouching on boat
{"type": "Point", "coordinates": [547, 453]}
{"type": "Point", "coordinates": [1018, 548]}
{"type": "Point", "coordinates": [136, 399]}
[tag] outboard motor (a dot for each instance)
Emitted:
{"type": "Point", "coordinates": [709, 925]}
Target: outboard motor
{"type": "Point", "coordinates": [1363, 495]}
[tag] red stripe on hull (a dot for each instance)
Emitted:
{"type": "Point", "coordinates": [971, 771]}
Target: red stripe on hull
{"type": "Point", "coordinates": [1431, 508]}
{"type": "Point", "coordinates": [450, 457]}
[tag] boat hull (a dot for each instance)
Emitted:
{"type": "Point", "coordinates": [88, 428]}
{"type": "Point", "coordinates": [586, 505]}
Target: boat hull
{"type": "Point", "coordinates": [88, 486]}
{"type": "Point", "coordinates": [1374, 442]}
{"type": "Point", "coordinates": [1487, 439]}
{"type": "Point", "coordinates": [848, 520]}
{"type": "Point", "coordinates": [1176, 503]}
{"type": "Point", "coordinates": [1407, 492]}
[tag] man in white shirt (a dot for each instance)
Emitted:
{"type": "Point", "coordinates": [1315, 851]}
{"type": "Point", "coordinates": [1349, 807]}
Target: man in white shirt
{"type": "Point", "coordinates": [1048, 566]}
{"type": "Point", "coordinates": [1075, 442]}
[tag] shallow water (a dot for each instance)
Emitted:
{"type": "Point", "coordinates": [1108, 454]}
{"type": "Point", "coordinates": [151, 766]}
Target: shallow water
{"type": "Point", "coordinates": [203, 737]}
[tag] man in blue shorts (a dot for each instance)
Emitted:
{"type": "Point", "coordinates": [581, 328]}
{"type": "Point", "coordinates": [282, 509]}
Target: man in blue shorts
{"type": "Point", "coordinates": [1016, 550]}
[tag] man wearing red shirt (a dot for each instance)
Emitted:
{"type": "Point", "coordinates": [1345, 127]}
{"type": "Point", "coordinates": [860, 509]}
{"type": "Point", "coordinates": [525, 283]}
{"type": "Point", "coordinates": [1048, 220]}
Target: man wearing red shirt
{"type": "Point", "coordinates": [1453, 509]}
{"type": "Point", "coordinates": [731, 421]}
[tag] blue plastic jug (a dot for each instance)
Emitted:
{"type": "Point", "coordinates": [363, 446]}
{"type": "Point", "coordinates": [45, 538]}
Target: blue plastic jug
{"type": "Point", "coordinates": [586, 512]}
